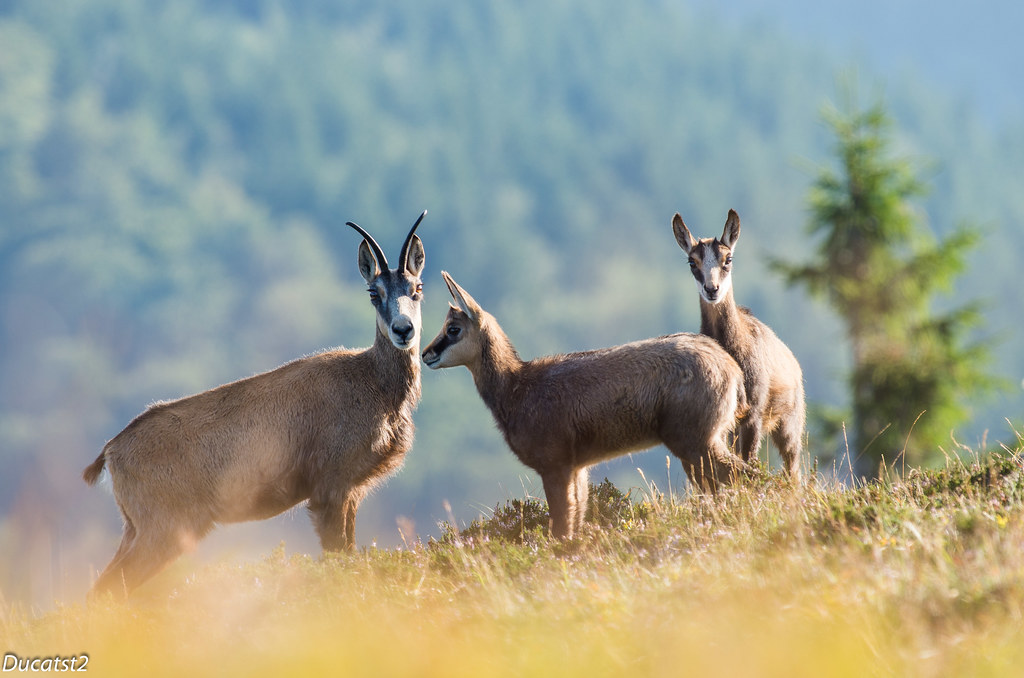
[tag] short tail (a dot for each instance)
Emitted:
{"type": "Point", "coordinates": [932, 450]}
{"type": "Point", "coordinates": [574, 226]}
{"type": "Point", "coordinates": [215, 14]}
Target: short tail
{"type": "Point", "coordinates": [92, 471]}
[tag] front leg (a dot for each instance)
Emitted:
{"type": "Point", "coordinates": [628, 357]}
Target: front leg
{"type": "Point", "coordinates": [334, 516]}
{"type": "Point", "coordinates": [581, 490]}
{"type": "Point", "coordinates": [350, 506]}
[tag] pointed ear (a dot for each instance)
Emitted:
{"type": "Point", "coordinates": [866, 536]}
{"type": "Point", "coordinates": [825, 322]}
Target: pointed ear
{"type": "Point", "coordinates": [465, 302]}
{"type": "Point", "coordinates": [367, 263]}
{"type": "Point", "coordinates": [686, 241]}
{"type": "Point", "coordinates": [731, 232]}
{"type": "Point", "coordinates": [414, 265]}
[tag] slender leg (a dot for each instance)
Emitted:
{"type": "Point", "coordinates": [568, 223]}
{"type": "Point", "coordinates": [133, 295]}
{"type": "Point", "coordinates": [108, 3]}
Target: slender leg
{"type": "Point", "coordinates": [350, 508]}
{"type": "Point", "coordinates": [335, 520]}
{"type": "Point", "coordinates": [715, 465]}
{"type": "Point", "coordinates": [134, 563]}
{"type": "Point", "coordinates": [582, 491]}
{"type": "Point", "coordinates": [110, 579]}
{"type": "Point", "coordinates": [787, 438]}
{"type": "Point", "coordinates": [557, 490]}
{"type": "Point", "coordinates": [726, 466]}
{"type": "Point", "coordinates": [750, 437]}
{"type": "Point", "coordinates": [698, 471]}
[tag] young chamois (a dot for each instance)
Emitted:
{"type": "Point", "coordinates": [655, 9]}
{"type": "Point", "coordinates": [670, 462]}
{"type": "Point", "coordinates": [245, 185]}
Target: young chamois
{"type": "Point", "coordinates": [326, 428]}
{"type": "Point", "coordinates": [560, 414]}
{"type": "Point", "coordinates": [774, 382]}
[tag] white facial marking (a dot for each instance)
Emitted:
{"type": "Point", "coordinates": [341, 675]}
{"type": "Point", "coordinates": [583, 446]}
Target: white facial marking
{"type": "Point", "coordinates": [406, 315]}
{"type": "Point", "coordinates": [716, 280]}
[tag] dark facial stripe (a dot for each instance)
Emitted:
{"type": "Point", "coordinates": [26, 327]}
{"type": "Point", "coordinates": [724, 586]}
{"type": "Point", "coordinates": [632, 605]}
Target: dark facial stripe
{"type": "Point", "coordinates": [436, 348]}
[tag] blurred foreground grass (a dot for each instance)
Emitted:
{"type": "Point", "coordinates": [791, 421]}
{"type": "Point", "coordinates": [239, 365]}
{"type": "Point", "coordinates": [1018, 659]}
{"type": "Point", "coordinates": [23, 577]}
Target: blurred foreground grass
{"type": "Point", "coordinates": [920, 576]}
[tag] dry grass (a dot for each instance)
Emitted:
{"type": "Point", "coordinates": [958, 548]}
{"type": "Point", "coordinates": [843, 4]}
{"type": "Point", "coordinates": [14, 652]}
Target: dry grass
{"type": "Point", "coordinates": [922, 576]}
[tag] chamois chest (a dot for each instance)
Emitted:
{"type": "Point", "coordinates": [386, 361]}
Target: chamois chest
{"type": "Point", "coordinates": [368, 405]}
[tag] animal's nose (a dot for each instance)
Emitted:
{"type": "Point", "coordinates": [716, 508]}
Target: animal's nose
{"type": "Point", "coordinates": [403, 329]}
{"type": "Point", "coordinates": [711, 289]}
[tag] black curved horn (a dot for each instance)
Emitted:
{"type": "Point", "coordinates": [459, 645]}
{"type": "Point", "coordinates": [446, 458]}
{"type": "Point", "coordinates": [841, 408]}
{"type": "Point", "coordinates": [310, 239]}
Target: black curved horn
{"type": "Point", "coordinates": [377, 251]}
{"type": "Point", "coordinates": [403, 258]}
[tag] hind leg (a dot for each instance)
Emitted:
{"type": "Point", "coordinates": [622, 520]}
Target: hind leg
{"type": "Point", "coordinates": [710, 464]}
{"type": "Point", "coordinates": [704, 452]}
{"type": "Point", "coordinates": [717, 470]}
{"type": "Point", "coordinates": [140, 556]}
{"type": "Point", "coordinates": [749, 437]}
{"type": "Point", "coordinates": [698, 469]}
{"type": "Point", "coordinates": [788, 438]}
{"type": "Point", "coordinates": [110, 576]}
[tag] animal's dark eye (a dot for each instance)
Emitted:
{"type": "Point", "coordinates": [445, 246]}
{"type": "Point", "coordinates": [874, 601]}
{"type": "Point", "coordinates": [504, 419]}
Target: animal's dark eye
{"type": "Point", "coordinates": [453, 331]}
{"type": "Point", "coordinates": [693, 264]}
{"type": "Point", "coordinates": [728, 260]}
{"type": "Point", "coordinates": [419, 288]}
{"type": "Point", "coordinates": [374, 295]}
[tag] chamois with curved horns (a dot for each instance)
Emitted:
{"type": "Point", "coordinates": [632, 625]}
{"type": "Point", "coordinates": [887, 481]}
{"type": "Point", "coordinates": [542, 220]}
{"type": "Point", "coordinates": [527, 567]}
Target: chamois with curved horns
{"type": "Point", "coordinates": [772, 375]}
{"type": "Point", "coordinates": [560, 414]}
{"type": "Point", "coordinates": [324, 428]}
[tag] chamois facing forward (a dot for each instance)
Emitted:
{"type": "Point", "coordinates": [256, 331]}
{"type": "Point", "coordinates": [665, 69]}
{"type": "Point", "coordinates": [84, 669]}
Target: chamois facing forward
{"type": "Point", "coordinates": [560, 414]}
{"type": "Point", "coordinates": [774, 382]}
{"type": "Point", "coordinates": [326, 428]}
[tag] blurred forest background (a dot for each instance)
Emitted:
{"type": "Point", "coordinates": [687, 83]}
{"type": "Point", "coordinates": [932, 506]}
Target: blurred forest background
{"type": "Point", "coordinates": [175, 178]}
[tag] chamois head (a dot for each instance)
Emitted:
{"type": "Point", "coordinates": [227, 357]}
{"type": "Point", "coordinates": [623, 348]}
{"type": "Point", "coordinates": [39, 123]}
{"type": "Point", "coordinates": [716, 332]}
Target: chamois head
{"type": "Point", "coordinates": [458, 343]}
{"type": "Point", "coordinates": [396, 293]}
{"type": "Point", "coordinates": [710, 258]}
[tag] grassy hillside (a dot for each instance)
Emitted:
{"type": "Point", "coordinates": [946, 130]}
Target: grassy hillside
{"type": "Point", "coordinates": [923, 576]}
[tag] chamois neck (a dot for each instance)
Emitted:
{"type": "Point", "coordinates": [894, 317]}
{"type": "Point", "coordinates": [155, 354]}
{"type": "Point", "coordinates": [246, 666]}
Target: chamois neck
{"type": "Point", "coordinates": [722, 320]}
{"type": "Point", "coordinates": [497, 369]}
{"type": "Point", "coordinates": [400, 367]}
